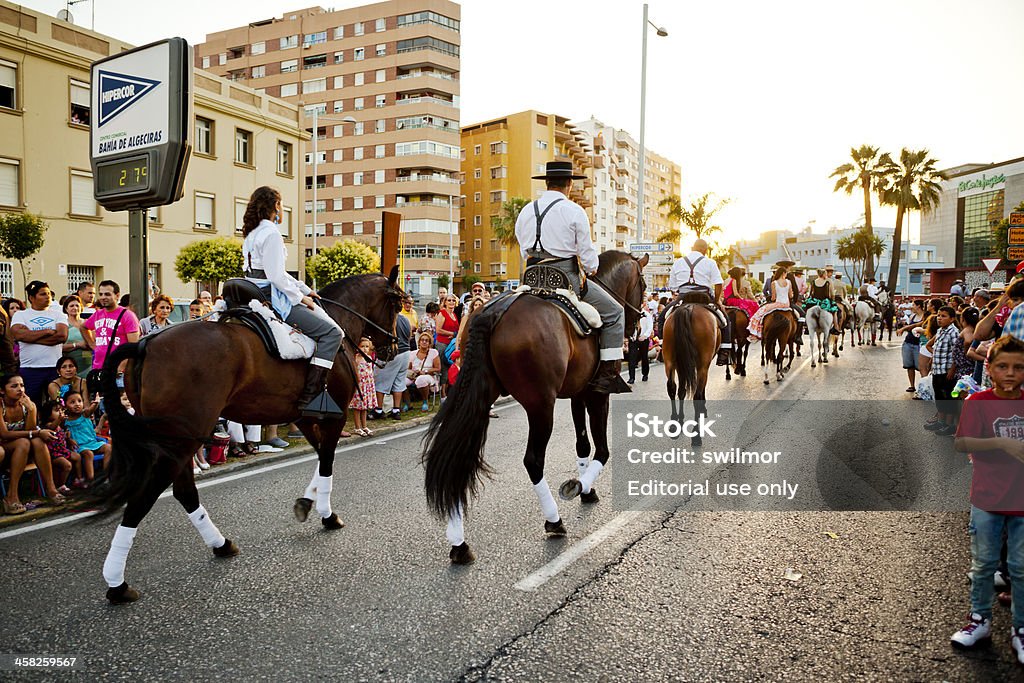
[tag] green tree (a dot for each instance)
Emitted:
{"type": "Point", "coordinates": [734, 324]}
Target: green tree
{"type": "Point", "coordinates": [469, 280]}
{"type": "Point", "coordinates": [21, 236]}
{"type": "Point", "coordinates": [696, 217]}
{"type": "Point", "coordinates": [442, 280]}
{"type": "Point", "coordinates": [911, 184]}
{"type": "Point", "coordinates": [1000, 234]}
{"type": "Point", "coordinates": [214, 261]}
{"type": "Point", "coordinates": [859, 249]}
{"type": "Point", "coordinates": [504, 226]}
{"type": "Point", "coordinates": [344, 258]}
{"type": "Point", "coordinates": [867, 173]}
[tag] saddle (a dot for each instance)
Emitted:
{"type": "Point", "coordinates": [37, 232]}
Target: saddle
{"type": "Point", "coordinates": [239, 295]}
{"type": "Point", "coordinates": [582, 317]}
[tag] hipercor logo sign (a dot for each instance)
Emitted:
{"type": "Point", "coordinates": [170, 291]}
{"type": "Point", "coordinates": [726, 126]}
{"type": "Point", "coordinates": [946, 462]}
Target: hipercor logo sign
{"type": "Point", "coordinates": [118, 92]}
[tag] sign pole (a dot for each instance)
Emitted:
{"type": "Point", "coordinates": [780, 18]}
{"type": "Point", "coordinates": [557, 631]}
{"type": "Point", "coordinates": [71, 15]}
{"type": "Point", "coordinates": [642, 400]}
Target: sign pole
{"type": "Point", "coordinates": [138, 261]}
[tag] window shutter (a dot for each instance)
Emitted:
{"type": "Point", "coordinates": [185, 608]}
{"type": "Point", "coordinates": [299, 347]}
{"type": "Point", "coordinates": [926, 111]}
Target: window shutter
{"type": "Point", "coordinates": [204, 210]}
{"type": "Point", "coordinates": [9, 183]}
{"type": "Point", "coordinates": [82, 201]}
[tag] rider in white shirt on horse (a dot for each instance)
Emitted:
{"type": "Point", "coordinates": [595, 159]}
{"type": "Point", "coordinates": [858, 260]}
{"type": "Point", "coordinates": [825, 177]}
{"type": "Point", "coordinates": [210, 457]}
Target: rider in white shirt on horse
{"type": "Point", "coordinates": [696, 268]}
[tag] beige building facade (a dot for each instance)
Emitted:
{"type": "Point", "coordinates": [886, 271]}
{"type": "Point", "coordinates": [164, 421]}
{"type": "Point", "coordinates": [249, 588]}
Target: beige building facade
{"type": "Point", "coordinates": [44, 161]}
{"type": "Point", "coordinates": [383, 80]}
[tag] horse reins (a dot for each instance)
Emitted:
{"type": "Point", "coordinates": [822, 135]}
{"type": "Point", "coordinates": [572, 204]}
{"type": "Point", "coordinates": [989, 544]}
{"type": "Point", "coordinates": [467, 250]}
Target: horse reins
{"type": "Point", "coordinates": [614, 295]}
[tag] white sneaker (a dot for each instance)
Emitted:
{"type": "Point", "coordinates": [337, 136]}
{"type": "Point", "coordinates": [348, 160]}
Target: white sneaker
{"type": "Point", "coordinates": [267, 448]}
{"type": "Point", "coordinates": [976, 631]}
{"type": "Point", "coordinates": [1000, 580]}
{"type": "Point", "coordinates": [204, 465]}
{"type": "Point", "coordinates": [196, 470]}
{"type": "Point", "coordinates": [1017, 643]}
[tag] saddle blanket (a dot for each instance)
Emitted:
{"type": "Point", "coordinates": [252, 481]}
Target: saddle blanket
{"type": "Point", "coordinates": [292, 343]}
{"type": "Point", "coordinates": [588, 312]}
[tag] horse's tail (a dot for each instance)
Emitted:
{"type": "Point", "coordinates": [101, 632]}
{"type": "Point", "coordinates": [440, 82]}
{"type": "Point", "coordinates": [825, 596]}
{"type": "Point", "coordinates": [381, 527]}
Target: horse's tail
{"type": "Point", "coordinates": [453, 448]}
{"type": "Point", "coordinates": [685, 351]}
{"type": "Point", "coordinates": [136, 448]}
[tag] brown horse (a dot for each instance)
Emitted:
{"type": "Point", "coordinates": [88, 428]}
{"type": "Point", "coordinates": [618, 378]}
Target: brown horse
{"type": "Point", "coordinates": [182, 379]}
{"type": "Point", "coordinates": [740, 322]}
{"type": "Point", "coordinates": [841, 321]}
{"type": "Point", "coordinates": [528, 350]}
{"type": "Point", "coordinates": [691, 339]}
{"type": "Point", "coordinates": [777, 337]}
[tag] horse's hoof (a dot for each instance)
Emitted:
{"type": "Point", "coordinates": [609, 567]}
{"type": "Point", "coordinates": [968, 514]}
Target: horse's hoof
{"type": "Point", "coordinates": [122, 594]}
{"type": "Point", "coordinates": [569, 489]}
{"type": "Point", "coordinates": [333, 522]}
{"type": "Point", "coordinates": [766, 382]}
{"type": "Point", "coordinates": [301, 508]}
{"type": "Point", "coordinates": [229, 549]}
{"type": "Point", "coordinates": [554, 529]}
{"type": "Point", "coordinates": [813, 365]}
{"type": "Point", "coordinates": [461, 554]}
{"type": "Point", "coordinates": [589, 498]}
{"type": "Point", "coordinates": [798, 352]}
{"type": "Point", "coordinates": [825, 360]}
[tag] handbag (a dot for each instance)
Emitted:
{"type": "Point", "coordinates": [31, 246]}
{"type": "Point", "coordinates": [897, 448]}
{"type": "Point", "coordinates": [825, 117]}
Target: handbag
{"type": "Point", "coordinates": [411, 374]}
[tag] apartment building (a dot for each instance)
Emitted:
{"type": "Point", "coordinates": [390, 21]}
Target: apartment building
{"type": "Point", "coordinates": [383, 82]}
{"type": "Point", "coordinates": [500, 156]}
{"type": "Point", "coordinates": [243, 139]}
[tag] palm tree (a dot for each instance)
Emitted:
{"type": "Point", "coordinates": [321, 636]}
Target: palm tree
{"type": "Point", "coordinates": [912, 184]}
{"type": "Point", "coordinates": [866, 172]}
{"type": "Point", "coordinates": [504, 226]}
{"type": "Point", "coordinates": [860, 248]}
{"type": "Point", "coordinates": [696, 217]}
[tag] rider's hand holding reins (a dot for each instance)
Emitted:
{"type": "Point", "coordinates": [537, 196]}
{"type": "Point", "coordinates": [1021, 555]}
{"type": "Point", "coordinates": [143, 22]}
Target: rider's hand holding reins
{"type": "Point", "coordinates": [307, 301]}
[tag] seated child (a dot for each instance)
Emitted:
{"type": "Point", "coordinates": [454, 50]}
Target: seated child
{"type": "Point", "coordinates": [83, 434]}
{"type": "Point", "coordinates": [64, 457]}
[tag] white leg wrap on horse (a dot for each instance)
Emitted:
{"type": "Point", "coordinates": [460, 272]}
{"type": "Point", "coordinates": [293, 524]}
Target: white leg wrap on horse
{"type": "Point", "coordinates": [311, 489]}
{"type": "Point", "coordinates": [455, 532]}
{"type": "Point", "coordinates": [547, 501]}
{"type": "Point", "coordinates": [117, 556]}
{"type": "Point", "coordinates": [581, 464]}
{"type": "Point", "coordinates": [323, 495]}
{"type": "Point", "coordinates": [590, 476]}
{"type": "Point", "coordinates": [212, 536]}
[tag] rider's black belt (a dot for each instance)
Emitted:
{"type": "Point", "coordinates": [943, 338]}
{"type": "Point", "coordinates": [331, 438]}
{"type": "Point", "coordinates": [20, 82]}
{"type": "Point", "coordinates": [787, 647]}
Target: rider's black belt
{"type": "Point", "coordinates": [256, 273]}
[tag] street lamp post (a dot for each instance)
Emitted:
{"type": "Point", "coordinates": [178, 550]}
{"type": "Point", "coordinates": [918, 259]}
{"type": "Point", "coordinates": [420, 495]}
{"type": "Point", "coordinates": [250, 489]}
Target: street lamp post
{"type": "Point", "coordinates": [643, 111]}
{"type": "Point", "coordinates": [451, 245]}
{"type": "Point", "coordinates": [316, 164]}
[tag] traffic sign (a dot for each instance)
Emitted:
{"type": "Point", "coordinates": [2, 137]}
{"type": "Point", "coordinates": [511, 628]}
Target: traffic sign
{"type": "Point", "coordinates": [1015, 235]}
{"type": "Point", "coordinates": [1015, 254]}
{"type": "Point", "coordinates": [652, 247]}
{"type": "Point", "coordinates": [141, 125]}
{"type": "Point", "coordinates": [991, 264]}
{"type": "Point", "coordinates": [1017, 218]}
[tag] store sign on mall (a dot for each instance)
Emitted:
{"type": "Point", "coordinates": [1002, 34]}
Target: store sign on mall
{"type": "Point", "coordinates": [977, 185]}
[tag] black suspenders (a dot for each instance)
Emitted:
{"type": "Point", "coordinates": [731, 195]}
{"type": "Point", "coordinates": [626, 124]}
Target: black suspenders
{"type": "Point", "coordinates": [537, 246]}
{"type": "Point", "coordinates": [693, 266]}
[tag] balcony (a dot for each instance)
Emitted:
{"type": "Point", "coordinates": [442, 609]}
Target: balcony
{"type": "Point", "coordinates": [436, 177]}
{"type": "Point", "coordinates": [430, 74]}
{"type": "Point", "coordinates": [436, 201]}
{"type": "Point", "coordinates": [425, 99]}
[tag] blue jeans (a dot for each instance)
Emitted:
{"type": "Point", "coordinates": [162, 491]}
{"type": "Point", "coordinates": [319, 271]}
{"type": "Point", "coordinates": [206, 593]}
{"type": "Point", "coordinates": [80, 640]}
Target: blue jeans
{"type": "Point", "coordinates": [986, 531]}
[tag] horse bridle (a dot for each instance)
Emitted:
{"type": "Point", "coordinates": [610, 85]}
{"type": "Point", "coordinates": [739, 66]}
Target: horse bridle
{"type": "Point", "coordinates": [611, 292]}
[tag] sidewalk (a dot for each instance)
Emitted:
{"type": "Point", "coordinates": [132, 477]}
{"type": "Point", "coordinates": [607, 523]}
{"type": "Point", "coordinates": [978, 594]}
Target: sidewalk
{"type": "Point", "coordinates": [299, 447]}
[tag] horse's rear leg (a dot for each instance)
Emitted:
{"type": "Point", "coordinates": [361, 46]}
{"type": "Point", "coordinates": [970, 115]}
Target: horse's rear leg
{"type": "Point", "coordinates": [671, 386]}
{"type": "Point", "coordinates": [324, 434]}
{"type": "Point", "coordinates": [541, 419]}
{"type": "Point", "coordinates": [597, 407]}
{"type": "Point", "coordinates": [579, 422]}
{"type": "Point", "coordinates": [700, 404]}
{"type": "Point", "coordinates": [185, 493]}
{"type": "Point", "coordinates": [118, 591]}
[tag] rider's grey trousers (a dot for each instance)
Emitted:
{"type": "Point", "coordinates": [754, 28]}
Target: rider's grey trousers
{"type": "Point", "coordinates": [613, 321]}
{"type": "Point", "coordinates": [324, 331]}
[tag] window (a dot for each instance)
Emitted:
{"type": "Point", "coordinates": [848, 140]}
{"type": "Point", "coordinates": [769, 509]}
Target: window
{"type": "Point", "coordinates": [499, 172]}
{"type": "Point", "coordinates": [153, 214]}
{"type": "Point", "coordinates": [79, 274]}
{"type": "Point", "coordinates": [204, 211]}
{"type": "Point", "coordinates": [357, 128]}
{"type": "Point", "coordinates": [339, 57]}
{"type": "Point", "coordinates": [378, 201]}
{"type": "Point", "coordinates": [8, 85]}
{"type": "Point", "coordinates": [499, 148]}
{"type": "Point", "coordinates": [498, 196]}
{"type": "Point", "coordinates": [382, 50]}
{"type": "Point", "coordinates": [318, 108]}
{"type": "Point", "coordinates": [476, 196]}
{"type": "Point", "coordinates": [381, 101]}
{"type": "Point", "coordinates": [206, 62]}
{"type": "Point", "coordinates": [380, 75]}
{"type": "Point", "coordinates": [476, 150]}
{"type": "Point", "coordinates": [339, 105]}
{"type": "Point", "coordinates": [289, 42]}
{"type": "Point", "coordinates": [315, 85]}
{"type": "Point", "coordinates": [427, 147]}
{"type": "Point", "coordinates": [258, 48]}
{"type": "Point", "coordinates": [380, 25]}
{"type": "Point", "coordinates": [427, 18]}
{"type": "Point", "coordinates": [378, 152]}
{"type": "Point", "coordinates": [289, 89]}
{"type": "Point", "coordinates": [10, 186]}
{"type": "Point", "coordinates": [476, 267]}
{"type": "Point", "coordinates": [289, 65]}
{"type": "Point", "coordinates": [314, 62]}
{"type": "Point", "coordinates": [339, 32]}
{"type": "Point", "coordinates": [259, 71]}
{"type": "Point", "coordinates": [321, 157]}
{"type": "Point", "coordinates": [338, 155]}
{"type": "Point", "coordinates": [477, 244]}
{"type": "Point", "coordinates": [314, 38]}
{"type": "Point", "coordinates": [240, 206]}
{"type": "Point", "coordinates": [337, 131]}
{"type": "Point", "coordinates": [542, 144]}
{"type": "Point", "coordinates": [427, 43]}
{"type": "Point", "coordinates": [358, 104]}
{"type": "Point", "coordinates": [378, 176]}
{"type": "Point", "coordinates": [79, 103]}
{"type": "Point", "coordinates": [357, 178]}
{"type": "Point", "coordinates": [381, 126]}
{"type": "Point", "coordinates": [358, 28]}
{"type": "Point", "coordinates": [357, 202]}
{"type": "Point", "coordinates": [204, 136]}
{"type": "Point", "coordinates": [222, 58]}
{"type": "Point", "coordinates": [284, 157]}
{"type": "Point", "coordinates": [357, 154]}
{"type": "Point", "coordinates": [477, 221]}
{"type": "Point", "coordinates": [477, 174]}
{"type": "Point", "coordinates": [286, 223]}
{"type": "Point", "coordinates": [336, 178]}
{"type": "Point", "coordinates": [358, 54]}
{"type": "Point", "coordinates": [360, 78]}
{"type": "Point", "coordinates": [82, 201]}
{"type": "Point", "coordinates": [243, 147]}
{"type": "Point", "coordinates": [321, 182]}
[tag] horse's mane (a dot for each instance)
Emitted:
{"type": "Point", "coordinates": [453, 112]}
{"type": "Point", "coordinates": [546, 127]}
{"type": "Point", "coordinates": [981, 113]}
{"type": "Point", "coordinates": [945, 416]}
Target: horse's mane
{"type": "Point", "coordinates": [609, 262]}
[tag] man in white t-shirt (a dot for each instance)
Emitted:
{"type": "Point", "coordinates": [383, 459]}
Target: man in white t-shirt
{"type": "Point", "coordinates": [40, 333]}
{"type": "Point", "coordinates": [697, 269]}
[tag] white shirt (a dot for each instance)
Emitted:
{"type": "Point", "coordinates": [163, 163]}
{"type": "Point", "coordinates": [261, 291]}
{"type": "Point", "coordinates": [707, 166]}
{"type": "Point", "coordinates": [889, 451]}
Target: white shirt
{"type": "Point", "coordinates": [565, 230]}
{"type": "Point", "coordinates": [873, 291]}
{"type": "Point", "coordinates": [782, 288]}
{"type": "Point", "coordinates": [646, 327]}
{"type": "Point", "coordinates": [263, 249]}
{"type": "Point", "coordinates": [40, 355]}
{"type": "Point", "coordinates": [704, 273]}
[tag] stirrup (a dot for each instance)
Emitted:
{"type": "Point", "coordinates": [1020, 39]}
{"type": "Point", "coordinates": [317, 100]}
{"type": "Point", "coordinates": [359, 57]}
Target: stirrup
{"type": "Point", "coordinates": [322, 406]}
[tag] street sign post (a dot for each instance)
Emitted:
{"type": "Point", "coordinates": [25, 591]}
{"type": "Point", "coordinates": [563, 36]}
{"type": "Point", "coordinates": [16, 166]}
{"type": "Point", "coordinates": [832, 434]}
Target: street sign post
{"type": "Point", "coordinates": [652, 247]}
{"type": "Point", "coordinates": [140, 140]}
{"type": "Point", "coordinates": [991, 264]}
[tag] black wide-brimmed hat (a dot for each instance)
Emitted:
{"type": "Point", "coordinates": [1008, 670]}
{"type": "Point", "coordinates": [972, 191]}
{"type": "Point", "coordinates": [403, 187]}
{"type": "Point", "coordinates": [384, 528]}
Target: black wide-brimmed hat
{"type": "Point", "coordinates": [559, 170]}
{"type": "Point", "coordinates": [785, 263]}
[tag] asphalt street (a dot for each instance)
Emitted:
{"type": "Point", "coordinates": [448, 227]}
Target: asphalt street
{"type": "Point", "coordinates": [654, 595]}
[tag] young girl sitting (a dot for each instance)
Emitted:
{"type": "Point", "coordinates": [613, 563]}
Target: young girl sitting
{"type": "Point", "coordinates": [83, 434]}
{"type": "Point", "coordinates": [64, 457]}
{"type": "Point", "coordinates": [365, 397]}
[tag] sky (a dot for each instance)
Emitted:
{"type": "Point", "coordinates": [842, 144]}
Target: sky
{"type": "Point", "coordinates": [756, 101]}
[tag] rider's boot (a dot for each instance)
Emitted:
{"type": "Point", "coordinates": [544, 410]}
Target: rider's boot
{"type": "Point", "coordinates": [607, 380]}
{"type": "Point", "coordinates": [314, 401]}
{"type": "Point", "coordinates": [723, 356]}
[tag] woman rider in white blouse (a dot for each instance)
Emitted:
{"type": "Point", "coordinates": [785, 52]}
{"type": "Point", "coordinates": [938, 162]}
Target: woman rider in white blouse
{"type": "Point", "coordinates": [263, 254]}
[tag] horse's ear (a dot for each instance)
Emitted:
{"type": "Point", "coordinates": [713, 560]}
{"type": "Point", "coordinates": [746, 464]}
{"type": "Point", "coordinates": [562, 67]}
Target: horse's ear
{"type": "Point", "coordinates": [393, 276]}
{"type": "Point", "coordinates": [643, 260]}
